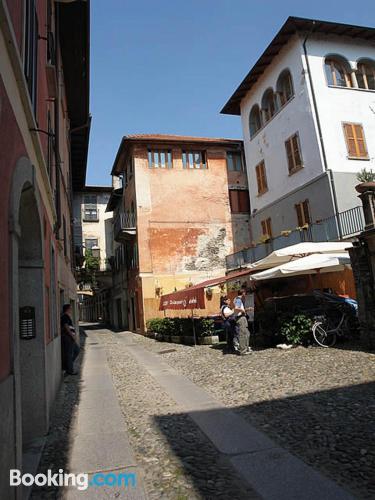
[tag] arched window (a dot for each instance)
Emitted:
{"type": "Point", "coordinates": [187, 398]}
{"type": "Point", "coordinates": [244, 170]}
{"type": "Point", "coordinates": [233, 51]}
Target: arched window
{"type": "Point", "coordinates": [284, 87]}
{"type": "Point", "coordinates": [269, 105]}
{"type": "Point", "coordinates": [338, 72]}
{"type": "Point", "coordinates": [366, 74]}
{"type": "Point", "coordinates": [255, 122]}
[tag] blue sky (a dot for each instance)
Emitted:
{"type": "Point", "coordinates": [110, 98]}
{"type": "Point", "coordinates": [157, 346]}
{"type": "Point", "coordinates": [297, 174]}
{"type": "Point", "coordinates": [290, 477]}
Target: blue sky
{"type": "Point", "coordinates": [168, 66]}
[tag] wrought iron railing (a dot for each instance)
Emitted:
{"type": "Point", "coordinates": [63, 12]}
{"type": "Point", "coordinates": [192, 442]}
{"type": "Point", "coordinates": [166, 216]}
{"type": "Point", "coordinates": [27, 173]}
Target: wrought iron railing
{"type": "Point", "coordinates": [342, 225]}
{"type": "Point", "coordinates": [123, 222]}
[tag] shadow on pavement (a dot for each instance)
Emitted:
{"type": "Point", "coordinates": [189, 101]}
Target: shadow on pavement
{"type": "Point", "coordinates": [332, 431]}
{"type": "Point", "coordinates": [59, 439]}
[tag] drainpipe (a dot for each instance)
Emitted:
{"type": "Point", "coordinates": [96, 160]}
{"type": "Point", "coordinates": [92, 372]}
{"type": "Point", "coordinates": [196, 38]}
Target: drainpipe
{"type": "Point", "coordinates": [320, 135]}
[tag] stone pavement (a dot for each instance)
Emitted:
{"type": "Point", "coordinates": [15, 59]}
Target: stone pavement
{"type": "Point", "coordinates": [185, 428]}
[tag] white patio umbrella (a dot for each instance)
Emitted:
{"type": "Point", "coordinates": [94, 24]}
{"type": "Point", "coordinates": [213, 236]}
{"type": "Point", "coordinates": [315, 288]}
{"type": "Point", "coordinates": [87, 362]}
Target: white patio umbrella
{"type": "Point", "coordinates": [312, 264]}
{"type": "Point", "coordinates": [299, 250]}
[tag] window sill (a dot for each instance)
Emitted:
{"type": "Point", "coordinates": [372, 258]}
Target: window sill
{"type": "Point", "coordinates": [272, 117]}
{"type": "Point", "coordinates": [295, 170]}
{"type": "Point", "coordinates": [361, 158]}
{"type": "Point", "coordinates": [90, 220]}
{"type": "Point", "coordinates": [261, 193]}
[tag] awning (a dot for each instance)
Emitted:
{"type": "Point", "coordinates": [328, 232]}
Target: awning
{"type": "Point", "coordinates": [189, 298]}
{"type": "Point", "coordinates": [312, 264]}
{"type": "Point", "coordinates": [293, 252]}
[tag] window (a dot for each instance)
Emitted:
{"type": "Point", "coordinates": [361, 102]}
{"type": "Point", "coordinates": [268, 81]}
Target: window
{"type": "Point", "coordinates": [293, 152]}
{"type": "Point", "coordinates": [303, 213]}
{"type": "Point", "coordinates": [268, 105]}
{"type": "Point", "coordinates": [255, 122]}
{"type": "Point", "coordinates": [90, 209]}
{"type": "Point", "coordinates": [31, 50]}
{"type": "Point", "coordinates": [266, 227]}
{"type": "Point", "coordinates": [338, 72]}
{"type": "Point", "coordinates": [239, 201]}
{"type": "Point", "coordinates": [234, 162]}
{"type": "Point", "coordinates": [284, 87]}
{"type": "Point", "coordinates": [260, 170]}
{"type": "Point", "coordinates": [194, 159]}
{"type": "Point", "coordinates": [355, 140]}
{"type": "Point", "coordinates": [366, 75]}
{"type": "Point", "coordinates": [158, 158]}
{"type": "Point", "coordinates": [90, 243]}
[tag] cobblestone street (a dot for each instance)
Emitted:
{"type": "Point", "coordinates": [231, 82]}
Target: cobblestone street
{"type": "Point", "coordinates": [318, 404]}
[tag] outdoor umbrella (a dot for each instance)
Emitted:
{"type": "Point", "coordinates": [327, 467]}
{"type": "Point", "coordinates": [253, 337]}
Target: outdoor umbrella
{"type": "Point", "coordinates": [311, 264]}
{"type": "Point", "coordinates": [299, 250]}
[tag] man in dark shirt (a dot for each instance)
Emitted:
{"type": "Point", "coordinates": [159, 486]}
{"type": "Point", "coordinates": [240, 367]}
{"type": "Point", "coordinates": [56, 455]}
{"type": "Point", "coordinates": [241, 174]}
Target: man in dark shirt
{"type": "Point", "coordinates": [69, 341]}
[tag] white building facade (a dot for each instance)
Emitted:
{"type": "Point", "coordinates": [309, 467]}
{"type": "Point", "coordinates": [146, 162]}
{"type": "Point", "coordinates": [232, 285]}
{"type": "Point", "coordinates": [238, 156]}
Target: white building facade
{"type": "Point", "coordinates": [308, 116]}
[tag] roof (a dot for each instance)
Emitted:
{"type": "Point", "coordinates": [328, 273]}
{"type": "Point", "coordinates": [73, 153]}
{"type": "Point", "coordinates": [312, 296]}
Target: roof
{"type": "Point", "coordinates": [74, 36]}
{"type": "Point", "coordinates": [129, 140]}
{"type": "Point", "coordinates": [292, 26]}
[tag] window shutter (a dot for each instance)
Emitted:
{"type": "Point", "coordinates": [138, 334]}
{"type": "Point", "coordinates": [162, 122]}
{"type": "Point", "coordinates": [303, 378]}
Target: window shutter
{"type": "Point", "coordinates": [306, 212]}
{"type": "Point", "coordinates": [299, 214]}
{"type": "Point", "coordinates": [234, 201]}
{"type": "Point", "coordinates": [350, 139]}
{"type": "Point", "coordinates": [263, 176]}
{"type": "Point", "coordinates": [269, 228]}
{"type": "Point", "coordinates": [259, 180]}
{"type": "Point", "coordinates": [289, 154]}
{"type": "Point", "coordinates": [264, 227]}
{"type": "Point", "coordinates": [362, 151]}
{"type": "Point", "coordinates": [244, 201]}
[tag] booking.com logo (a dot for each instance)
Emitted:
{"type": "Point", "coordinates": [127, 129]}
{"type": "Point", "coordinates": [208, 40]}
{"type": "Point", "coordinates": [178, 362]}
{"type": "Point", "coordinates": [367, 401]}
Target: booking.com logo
{"type": "Point", "coordinates": [81, 481]}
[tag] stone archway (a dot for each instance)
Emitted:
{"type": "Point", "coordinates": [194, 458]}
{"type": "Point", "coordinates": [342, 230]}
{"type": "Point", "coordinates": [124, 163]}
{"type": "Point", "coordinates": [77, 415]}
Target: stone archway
{"type": "Point", "coordinates": [28, 356]}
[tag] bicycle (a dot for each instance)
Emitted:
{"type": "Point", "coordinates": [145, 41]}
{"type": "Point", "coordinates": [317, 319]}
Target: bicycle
{"type": "Point", "coordinates": [329, 326]}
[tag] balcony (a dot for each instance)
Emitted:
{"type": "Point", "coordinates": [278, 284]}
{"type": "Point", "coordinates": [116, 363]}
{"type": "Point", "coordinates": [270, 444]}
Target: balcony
{"type": "Point", "coordinates": [124, 228]}
{"type": "Point", "coordinates": [340, 226]}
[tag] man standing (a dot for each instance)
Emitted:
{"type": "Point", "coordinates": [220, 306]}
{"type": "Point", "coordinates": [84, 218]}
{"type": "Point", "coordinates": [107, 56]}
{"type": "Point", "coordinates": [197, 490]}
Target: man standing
{"type": "Point", "coordinates": [229, 322]}
{"type": "Point", "coordinates": [69, 341]}
{"type": "Point", "coordinates": [244, 308]}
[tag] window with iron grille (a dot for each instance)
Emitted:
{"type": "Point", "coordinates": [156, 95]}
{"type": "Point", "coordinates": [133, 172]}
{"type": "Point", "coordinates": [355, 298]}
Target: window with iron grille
{"type": "Point", "coordinates": [159, 158]}
{"type": "Point", "coordinates": [90, 208]}
{"type": "Point", "coordinates": [194, 159]}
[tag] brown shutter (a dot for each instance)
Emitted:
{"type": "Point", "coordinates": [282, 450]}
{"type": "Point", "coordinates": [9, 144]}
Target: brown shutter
{"type": "Point", "coordinates": [244, 201]}
{"type": "Point", "coordinates": [234, 202]}
{"type": "Point", "coordinates": [289, 154]}
{"type": "Point", "coordinates": [350, 139]}
{"type": "Point", "coordinates": [296, 152]}
{"type": "Point", "coordinates": [299, 214]}
{"type": "Point", "coordinates": [361, 149]}
{"type": "Point", "coordinates": [264, 227]}
{"type": "Point", "coordinates": [259, 180]}
{"type": "Point", "coordinates": [263, 176]}
{"type": "Point", "coordinates": [269, 228]}
{"type": "Point", "coordinates": [306, 211]}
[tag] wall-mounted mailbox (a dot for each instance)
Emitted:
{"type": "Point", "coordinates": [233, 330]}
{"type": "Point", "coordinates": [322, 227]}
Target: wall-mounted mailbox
{"type": "Point", "coordinates": [27, 322]}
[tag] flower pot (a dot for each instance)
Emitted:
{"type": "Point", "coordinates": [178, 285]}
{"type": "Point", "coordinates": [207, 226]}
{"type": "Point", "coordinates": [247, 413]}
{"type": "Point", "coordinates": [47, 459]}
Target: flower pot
{"type": "Point", "coordinates": [212, 339]}
{"type": "Point", "coordinates": [365, 186]}
{"type": "Point", "coordinates": [189, 339]}
{"type": "Point", "coordinates": [176, 339]}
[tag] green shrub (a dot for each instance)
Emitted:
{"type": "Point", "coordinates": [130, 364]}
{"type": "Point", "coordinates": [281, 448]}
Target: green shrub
{"type": "Point", "coordinates": [366, 175]}
{"type": "Point", "coordinates": [206, 327]}
{"type": "Point", "coordinates": [155, 325]}
{"type": "Point", "coordinates": [296, 329]}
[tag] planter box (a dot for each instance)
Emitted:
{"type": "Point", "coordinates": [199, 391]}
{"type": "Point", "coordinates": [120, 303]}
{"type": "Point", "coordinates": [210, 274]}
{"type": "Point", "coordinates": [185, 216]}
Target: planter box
{"type": "Point", "coordinates": [159, 337]}
{"type": "Point", "coordinates": [176, 339]}
{"type": "Point", "coordinates": [188, 339]}
{"type": "Point", "coordinates": [214, 339]}
{"type": "Point", "coordinates": [167, 338]}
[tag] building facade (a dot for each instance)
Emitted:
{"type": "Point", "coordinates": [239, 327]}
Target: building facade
{"type": "Point", "coordinates": [93, 240]}
{"type": "Point", "coordinates": [183, 205]}
{"type": "Point", "coordinates": [44, 123]}
{"type": "Point", "coordinates": [307, 110]}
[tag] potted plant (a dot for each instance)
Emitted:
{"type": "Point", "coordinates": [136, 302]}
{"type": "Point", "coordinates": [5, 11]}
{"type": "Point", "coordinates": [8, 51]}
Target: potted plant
{"type": "Point", "coordinates": [296, 329]}
{"type": "Point", "coordinates": [206, 332]}
{"type": "Point", "coordinates": [155, 327]}
{"type": "Point", "coordinates": [367, 181]}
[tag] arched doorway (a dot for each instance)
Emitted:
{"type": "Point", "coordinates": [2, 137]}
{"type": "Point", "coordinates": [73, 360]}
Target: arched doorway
{"type": "Point", "coordinates": [29, 349]}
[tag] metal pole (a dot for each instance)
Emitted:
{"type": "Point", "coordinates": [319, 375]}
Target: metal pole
{"type": "Point", "coordinates": [192, 318]}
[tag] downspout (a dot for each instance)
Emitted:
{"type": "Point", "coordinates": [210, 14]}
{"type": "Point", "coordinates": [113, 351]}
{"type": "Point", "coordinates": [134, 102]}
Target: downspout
{"type": "Point", "coordinates": [320, 135]}
{"type": "Point", "coordinates": [57, 127]}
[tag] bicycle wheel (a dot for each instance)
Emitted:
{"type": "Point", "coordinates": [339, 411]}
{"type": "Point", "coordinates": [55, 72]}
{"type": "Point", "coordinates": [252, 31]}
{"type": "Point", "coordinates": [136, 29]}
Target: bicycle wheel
{"type": "Point", "coordinates": [322, 335]}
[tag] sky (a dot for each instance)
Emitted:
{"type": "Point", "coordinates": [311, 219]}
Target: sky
{"type": "Point", "coordinates": [169, 66]}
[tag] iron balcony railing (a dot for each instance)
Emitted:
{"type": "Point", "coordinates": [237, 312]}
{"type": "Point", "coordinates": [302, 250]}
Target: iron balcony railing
{"type": "Point", "coordinates": [342, 225]}
{"type": "Point", "coordinates": [124, 225]}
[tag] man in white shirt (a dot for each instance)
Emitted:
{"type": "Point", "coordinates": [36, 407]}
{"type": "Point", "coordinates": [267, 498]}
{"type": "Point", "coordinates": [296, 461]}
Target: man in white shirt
{"type": "Point", "coordinates": [229, 324]}
{"type": "Point", "coordinates": [243, 309]}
